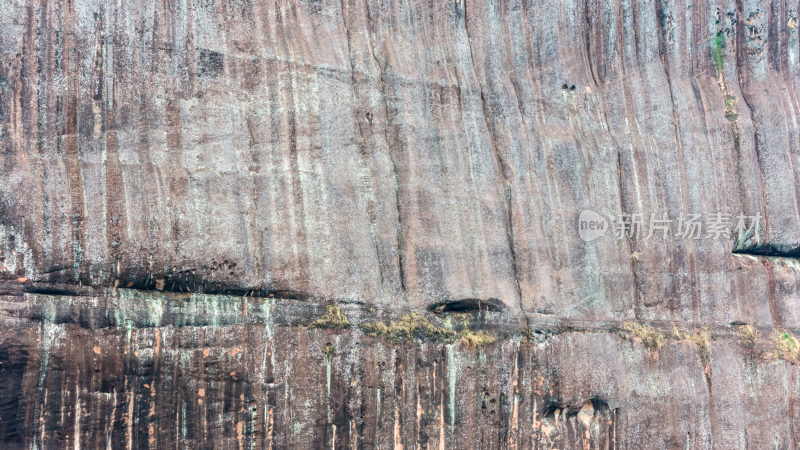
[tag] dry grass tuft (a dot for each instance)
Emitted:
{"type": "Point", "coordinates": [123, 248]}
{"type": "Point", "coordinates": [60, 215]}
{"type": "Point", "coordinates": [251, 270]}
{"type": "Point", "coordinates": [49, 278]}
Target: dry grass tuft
{"type": "Point", "coordinates": [474, 339]}
{"type": "Point", "coordinates": [702, 339]}
{"type": "Point", "coordinates": [334, 318]}
{"type": "Point", "coordinates": [649, 336]}
{"type": "Point", "coordinates": [748, 337]}
{"type": "Point", "coordinates": [409, 326]}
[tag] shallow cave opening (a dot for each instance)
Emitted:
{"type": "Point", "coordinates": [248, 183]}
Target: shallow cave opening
{"type": "Point", "coordinates": [467, 305]}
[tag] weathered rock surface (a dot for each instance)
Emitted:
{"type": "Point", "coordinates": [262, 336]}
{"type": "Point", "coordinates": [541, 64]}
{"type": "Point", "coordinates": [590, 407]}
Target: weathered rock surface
{"type": "Point", "coordinates": [137, 370]}
{"type": "Point", "coordinates": [391, 157]}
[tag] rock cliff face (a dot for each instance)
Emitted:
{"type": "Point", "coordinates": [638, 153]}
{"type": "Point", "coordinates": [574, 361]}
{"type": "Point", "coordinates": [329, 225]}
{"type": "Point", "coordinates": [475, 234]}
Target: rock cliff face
{"type": "Point", "coordinates": [356, 223]}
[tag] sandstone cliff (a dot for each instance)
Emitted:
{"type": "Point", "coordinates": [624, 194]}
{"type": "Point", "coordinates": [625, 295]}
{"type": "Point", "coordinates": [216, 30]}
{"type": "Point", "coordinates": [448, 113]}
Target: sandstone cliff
{"type": "Point", "coordinates": [354, 223]}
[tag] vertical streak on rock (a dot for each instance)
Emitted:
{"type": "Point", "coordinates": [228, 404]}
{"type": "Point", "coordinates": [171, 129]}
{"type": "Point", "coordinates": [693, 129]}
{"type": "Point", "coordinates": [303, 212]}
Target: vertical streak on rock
{"type": "Point", "coordinates": [44, 103]}
{"type": "Point", "coordinates": [744, 84]}
{"type": "Point", "coordinates": [378, 416]}
{"type": "Point", "coordinates": [298, 203]}
{"type": "Point", "coordinates": [587, 26]}
{"type": "Point", "coordinates": [115, 188]}
{"type": "Point", "coordinates": [111, 425]}
{"type": "Point", "coordinates": [502, 165]}
{"type": "Point", "coordinates": [784, 66]}
{"type": "Point", "coordinates": [129, 388]}
{"type": "Point", "coordinates": [98, 110]}
{"type": "Point", "coordinates": [773, 135]}
{"type": "Point", "coordinates": [255, 201]}
{"type": "Point", "coordinates": [758, 151]}
{"type": "Point", "coordinates": [770, 293]}
{"type": "Point", "coordinates": [398, 399]}
{"type": "Point", "coordinates": [266, 310]}
{"type": "Point", "coordinates": [400, 241]}
{"type": "Point", "coordinates": [793, 392]}
{"type": "Point", "coordinates": [328, 383]}
{"type": "Point", "coordinates": [70, 142]}
{"type": "Point", "coordinates": [623, 208]}
{"type": "Point", "coordinates": [353, 432]}
{"type": "Point", "coordinates": [202, 383]}
{"type": "Point", "coordinates": [418, 414]}
{"type": "Point", "coordinates": [180, 410]}
{"type": "Point", "coordinates": [442, 436]}
{"type": "Point", "coordinates": [626, 207]}
{"type": "Point", "coordinates": [152, 418]}
{"type": "Point", "coordinates": [176, 179]}
{"type": "Point", "coordinates": [513, 440]}
{"type": "Point", "coordinates": [526, 130]}
{"type": "Point", "coordinates": [452, 374]}
{"type": "Point", "coordinates": [363, 155]}
{"type": "Point", "coordinates": [437, 395]}
{"type": "Point", "coordinates": [740, 52]}
{"type": "Point", "coordinates": [788, 58]}
{"type": "Point", "coordinates": [47, 337]}
{"type": "Point", "coordinates": [269, 424]}
{"type": "Point", "coordinates": [397, 438]}
{"type": "Point", "coordinates": [662, 34]}
{"type": "Point", "coordinates": [534, 418]}
{"type": "Point", "coordinates": [77, 425]}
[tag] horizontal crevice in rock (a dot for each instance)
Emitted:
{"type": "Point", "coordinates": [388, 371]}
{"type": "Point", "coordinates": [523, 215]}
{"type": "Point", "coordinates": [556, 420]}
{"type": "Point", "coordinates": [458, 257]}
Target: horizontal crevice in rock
{"type": "Point", "coordinates": [167, 285]}
{"type": "Point", "coordinates": [49, 290]}
{"type": "Point", "coordinates": [100, 308]}
{"type": "Point", "coordinates": [187, 283]}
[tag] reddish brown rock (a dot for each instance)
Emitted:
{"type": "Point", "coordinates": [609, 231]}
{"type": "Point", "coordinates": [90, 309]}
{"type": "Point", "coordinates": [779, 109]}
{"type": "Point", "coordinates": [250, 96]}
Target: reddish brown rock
{"type": "Point", "coordinates": [392, 157]}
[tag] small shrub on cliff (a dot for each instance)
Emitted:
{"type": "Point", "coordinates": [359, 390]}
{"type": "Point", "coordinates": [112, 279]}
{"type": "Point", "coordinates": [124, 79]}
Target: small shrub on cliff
{"type": "Point", "coordinates": [787, 347]}
{"type": "Point", "coordinates": [718, 46]}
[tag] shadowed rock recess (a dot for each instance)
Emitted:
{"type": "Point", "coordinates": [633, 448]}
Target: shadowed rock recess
{"type": "Point", "coordinates": [354, 224]}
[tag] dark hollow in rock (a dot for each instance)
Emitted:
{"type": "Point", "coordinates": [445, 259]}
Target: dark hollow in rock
{"type": "Point", "coordinates": [768, 249]}
{"type": "Point", "coordinates": [211, 63]}
{"type": "Point", "coordinates": [467, 305]}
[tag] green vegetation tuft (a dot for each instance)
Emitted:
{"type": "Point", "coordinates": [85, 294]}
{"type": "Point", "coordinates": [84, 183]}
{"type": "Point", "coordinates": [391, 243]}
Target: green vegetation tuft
{"type": "Point", "coordinates": [730, 108]}
{"type": "Point", "coordinates": [730, 103]}
{"type": "Point", "coordinates": [718, 49]}
{"type": "Point", "coordinates": [787, 347]}
{"type": "Point", "coordinates": [334, 318]}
